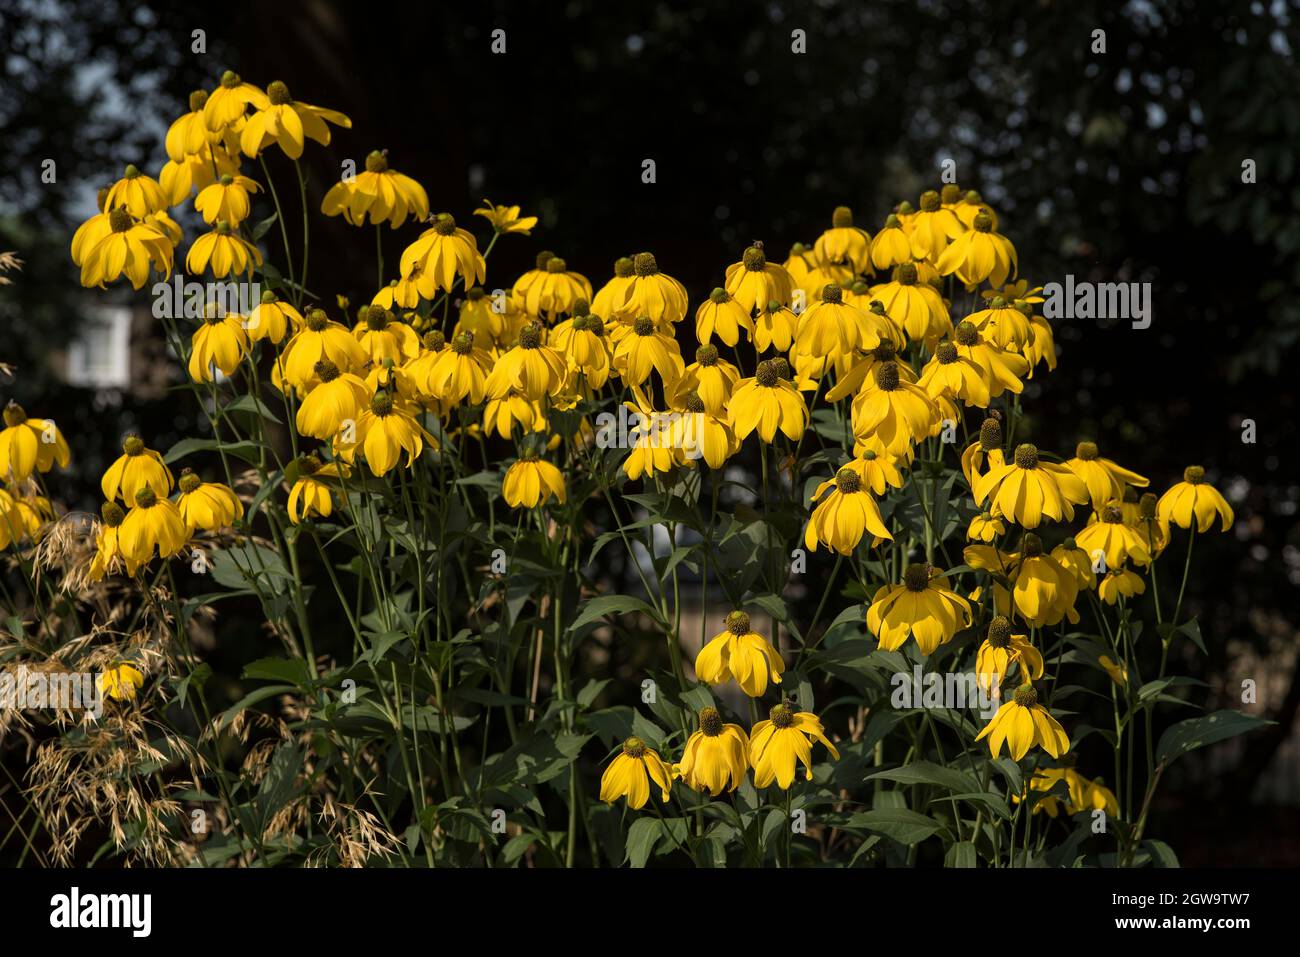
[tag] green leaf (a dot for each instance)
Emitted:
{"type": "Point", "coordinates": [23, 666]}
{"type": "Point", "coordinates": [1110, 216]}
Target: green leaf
{"type": "Point", "coordinates": [264, 226]}
{"type": "Point", "coordinates": [291, 670]}
{"type": "Point", "coordinates": [1162, 855]}
{"type": "Point", "coordinates": [924, 772]}
{"type": "Point", "coordinates": [1195, 733]}
{"type": "Point", "coordinates": [961, 854]}
{"type": "Point", "coordinates": [642, 837]}
{"type": "Point", "coordinates": [196, 678]}
{"type": "Point", "coordinates": [248, 451]}
{"type": "Point", "coordinates": [252, 405]}
{"type": "Point", "coordinates": [611, 605]}
{"type": "Point", "coordinates": [905, 826]}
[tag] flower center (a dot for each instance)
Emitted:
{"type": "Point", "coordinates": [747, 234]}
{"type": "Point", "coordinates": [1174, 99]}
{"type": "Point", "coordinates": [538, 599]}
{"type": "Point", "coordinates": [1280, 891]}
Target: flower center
{"type": "Point", "coordinates": [707, 355]}
{"type": "Point", "coordinates": [1026, 696]}
{"type": "Point", "coordinates": [1026, 456]}
{"type": "Point", "coordinates": [966, 334]}
{"type": "Point", "coordinates": [1112, 515]}
{"type": "Point", "coordinates": [738, 623]}
{"type": "Point", "coordinates": [719, 296]}
{"type": "Point", "coordinates": [278, 93]}
{"type": "Point", "coordinates": [133, 445]}
{"type": "Point", "coordinates": [983, 222]}
{"type": "Point", "coordinates": [710, 722]}
{"type": "Point", "coordinates": [434, 341]}
{"type": "Point", "coordinates": [907, 274]}
{"type": "Point", "coordinates": [146, 498]}
{"type": "Point", "coordinates": [376, 162]}
{"type": "Point", "coordinates": [951, 194]}
{"type": "Point", "coordinates": [1194, 475]}
{"type": "Point", "coordinates": [694, 404]}
{"type": "Point", "coordinates": [119, 220]}
{"type": "Point", "coordinates": [832, 293]}
{"type": "Point", "coordinates": [645, 264]}
{"type": "Point", "coordinates": [14, 414]}
{"type": "Point", "coordinates": [377, 318]}
{"type": "Point", "coordinates": [781, 716]}
{"type": "Point", "coordinates": [848, 481]}
{"type": "Point", "coordinates": [1147, 506]}
{"type": "Point", "coordinates": [463, 343]}
{"type": "Point", "coordinates": [893, 222]}
{"type": "Point", "coordinates": [766, 374]}
{"type": "Point", "coordinates": [556, 264]}
{"type": "Point", "coordinates": [198, 100]}
{"type": "Point", "coordinates": [780, 367]}
{"type": "Point", "coordinates": [990, 434]}
{"type": "Point", "coordinates": [230, 79]}
{"type": "Point", "coordinates": [634, 748]}
{"type": "Point", "coordinates": [309, 464]}
{"type": "Point", "coordinates": [1000, 631]}
{"type": "Point", "coordinates": [644, 326]}
{"type": "Point", "coordinates": [112, 514]}
{"type": "Point", "coordinates": [887, 376]}
{"type": "Point", "coordinates": [869, 455]}
{"type": "Point", "coordinates": [929, 201]}
{"type": "Point", "coordinates": [1086, 451]}
{"type": "Point", "coordinates": [946, 353]}
{"type": "Point", "coordinates": [382, 403]}
{"type": "Point", "coordinates": [581, 307]}
{"type": "Point", "coordinates": [530, 337]}
{"type": "Point", "coordinates": [1031, 545]}
{"type": "Point", "coordinates": [317, 320]}
{"type": "Point", "coordinates": [753, 258]}
{"type": "Point", "coordinates": [623, 267]}
{"type": "Point", "coordinates": [326, 371]}
{"type": "Point", "coordinates": [188, 481]}
{"type": "Point", "coordinates": [842, 218]}
{"type": "Point", "coordinates": [444, 224]}
{"type": "Point", "coordinates": [916, 577]}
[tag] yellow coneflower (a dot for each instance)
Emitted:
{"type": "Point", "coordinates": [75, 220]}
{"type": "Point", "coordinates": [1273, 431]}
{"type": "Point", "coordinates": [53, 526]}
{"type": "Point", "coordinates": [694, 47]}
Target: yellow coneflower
{"type": "Point", "coordinates": [894, 410]}
{"type": "Point", "coordinates": [915, 305]}
{"type": "Point", "coordinates": [179, 178]}
{"type": "Point", "coordinates": [220, 342]}
{"type": "Point", "coordinates": [1002, 369]}
{"type": "Point", "coordinates": [785, 737]}
{"type": "Point", "coordinates": [844, 244]}
{"type": "Point", "coordinates": [272, 319]}
{"type": "Point", "coordinates": [630, 773]}
{"type": "Point", "coordinates": [128, 248]}
{"type": "Point", "coordinates": [310, 495]}
{"type": "Point", "coordinates": [985, 528]}
{"type": "Point", "coordinates": [206, 505]}
{"type": "Point", "coordinates": [753, 282]}
{"type": "Point", "coordinates": [1194, 500]}
{"type": "Point", "coordinates": [532, 481]}
{"type": "Point", "coordinates": [653, 293]}
{"type": "Point", "coordinates": [382, 194]}
{"type": "Point", "coordinates": [1119, 542]}
{"type": "Point", "coordinates": [107, 553]}
{"type": "Point", "coordinates": [320, 338]}
{"type": "Point", "coordinates": [336, 398]}
{"type": "Point", "coordinates": [921, 606]}
{"type": "Point", "coordinates": [506, 219]}
{"type": "Point", "coordinates": [501, 415]}
{"type": "Point", "coordinates": [226, 253]}
{"type": "Point", "coordinates": [120, 682]}
{"type": "Point", "coordinates": [1021, 724]}
{"type": "Point", "coordinates": [700, 434]}
{"type": "Point", "coordinates": [986, 449]}
{"type": "Point", "coordinates": [831, 328]}
{"type": "Point", "coordinates": [766, 403]}
{"type": "Point", "coordinates": [953, 375]}
{"type": "Point", "coordinates": [582, 341]}
{"type": "Point", "coordinates": [716, 756]}
{"type": "Point", "coordinates": [654, 449]}
{"type": "Point", "coordinates": [1029, 489]}
{"type": "Point", "coordinates": [1118, 671]}
{"type": "Point", "coordinates": [1003, 324]}
{"type": "Point", "coordinates": [1075, 561]}
{"type": "Point", "coordinates": [723, 316]}
{"type": "Point", "coordinates": [28, 445]}
{"type": "Point", "coordinates": [740, 652]}
{"type": "Point", "coordinates": [287, 123]}
{"type": "Point", "coordinates": [610, 300]}
{"type": "Point", "coordinates": [710, 377]}
{"type": "Point", "coordinates": [458, 373]}
{"type": "Point", "coordinates": [648, 347]}
{"type": "Point", "coordinates": [891, 246]}
{"type": "Point", "coordinates": [443, 252]}
{"type": "Point", "coordinates": [1000, 650]}
{"type": "Point", "coordinates": [226, 199]}
{"type": "Point", "coordinates": [970, 206]}
{"type": "Point", "coordinates": [1043, 590]}
{"type": "Point", "coordinates": [138, 194]}
{"type": "Point", "coordinates": [933, 227]}
{"type": "Point", "coordinates": [1043, 346]}
{"type": "Point", "coordinates": [532, 367]}
{"type": "Point", "coordinates": [151, 523]}
{"type": "Point", "coordinates": [846, 513]}
{"type": "Point", "coordinates": [1120, 584]}
{"type": "Point", "coordinates": [138, 467]}
{"type": "Point", "coordinates": [774, 327]}
{"type": "Point", "coordinates": [383, 337]}
{"type": "Point", "coordinates": [384, 431]}
{"type": "Point", "coordinates": [979, 253]}
{"type": "Point", "coordinates": [1104, 478]}
{"type": "Point", "coordinates": [228, 102]}
{"type": "Point", "coordinates": [188, 134]}
{"type": "Point", "coordinates": [552, 291]}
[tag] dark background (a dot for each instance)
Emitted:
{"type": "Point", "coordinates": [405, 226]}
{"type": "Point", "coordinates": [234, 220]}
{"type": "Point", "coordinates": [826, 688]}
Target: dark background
{"type": "Point", "coordinates": [1122, 166]}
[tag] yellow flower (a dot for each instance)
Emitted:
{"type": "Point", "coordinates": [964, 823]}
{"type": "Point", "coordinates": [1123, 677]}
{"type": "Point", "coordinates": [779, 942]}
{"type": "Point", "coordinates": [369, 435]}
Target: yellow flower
{"type": "Point", "coordinates": [207, 505]}
{"type": "Point", "coordinates": [28, 445]}
{"type": "Point", "coordinates": [501, 414]}
{"type": "Point", "coordinates": [138, 194]}
{"type": "Point", "coordinates": [287, 123]}
{"type": "Point", "coordinates": [532, 481]}
{"type": "Point", "coordinates": [649, 347]}
{"type": "Point", "coordinates": [1002, 369]}
{"type": "Point", "coordinates": [152, 522]}
{"type": "Point", "coordinates": [740, 652]}
{"type": "Point", "coordinates": [1027, 489]}
{"type": "Point", "coordinates": [1075, 561]}
{"type": "Point", "coordinates": [775, 327]}
{"type": "Point", "coordinates": [915, 305]}
{"type": "Point", "coordinates": [653, 440]}
{"type": "Point", "coordinates": [894, 410]}
{"type": "Point", "coordinates": [310, 495]}
{"type": "Point", "coordinates": [443, 252]}
{"type": "Point", "coordinates": [846, 514]}
{"type": "Point", "coordinates": [1004, 325]}
{"type": "Point", "coordinates": [891, 247]}
{"type": "Point", "coordinates": [610, 300]}
{"type": "Point", "coordinates": [716, 756]}
{"type": "Point", "coordinates": [970, 206]}
{"type": "Point", "coordinates": [383, 194]}
{"type": "Point", "coordinates": [1119, 584]}
{"type": "Point", "coordinates": [979, 253]}
{"type": "Point", "coordinates": [1118, 671]}
{"type": "Point", "coordinates": [831, 328]}
{"type": "Point", "coordinates": [1083, 794]}
{"type": "Point", "coordinates": [1023, 723]}
{"type": "Point", "coordinates": [382, 336]}
{"type": "Point", "coordinates": [532, 367]}
{"type": "Point", "coordinates": [652, 293]}
{"type": "Point", "coordinates": [226, 199]}
{"type": "Point", "coordinates": [768, 402]}
{"type": "Point", "coordinates": [228, 102]}
{"type": "Point", "coordinates": [319, 339]}
{"type": "Point", "coordinates": [984, 528]}
{"type": "Point", "coordinates": [219, 341]}
{"type": "Point", "coordinates": [1043, 346]}
{"type": "Point", "coordinates": [844, 244]}
{"type": "Point", "coordinates": [582, 342]}
{"type": "Point", "coordinates": [1000, 650]}
{"type": "Point", "coordinates": [138, 467]}
{"type": "Point", "coordinates": [723, 315]}
{"type": "Point", "coordinates": [710, 377]}
{"type": "Point", "coordinates": [551, 288]}
{"type": "Point", "coordinates": [458, 373]}
{"type": "Point", "coordinates": [272, 319]}
{"type": "Point", "coordinates": [630, 773]}
{"type": "Point", "coordinates": [226, 253]}
{"type": "Point", "coordinates": [953, 375]}
{"type": "Point", "coordinates": [107, 553]}
{"type": "Point", "coordinates": [120, 682]}
{"type": "Point", "coordinates": [697, 433]}
{"type": "Point", "coordinates": [785, 737]}
{"type": "Point", "coordinates": [189, 135]}
{"type": "Point", "coordinates": [180, 178]}
{"type": "Point", "coordinates": [1044, 592]}
{"type": "Point", "coordinates": [336, 398]}
{"type": "Point", "coordinates": [1105, 480]}
{"type": "Point", "coordinates": [1193, 499]}
{"type": "Point", "coordinates": [506, 219]}
{"type": "Point", "coordinates": [128, 249]}
{"type": "Point", "coordinates": [933, 227]}
{"type": "Point", "coordinates": [1118, 542]}
{"type": "Point", "coordinates": [922, 606]}
{"type": "Point", "coordinates": [383, 433]}
{"type": "Point", "coordinates": [754, 282]}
